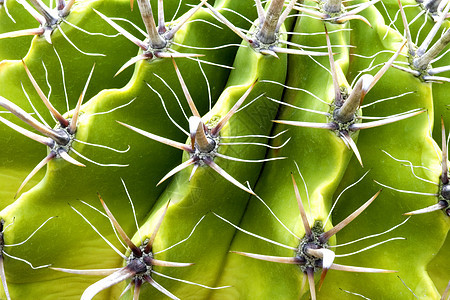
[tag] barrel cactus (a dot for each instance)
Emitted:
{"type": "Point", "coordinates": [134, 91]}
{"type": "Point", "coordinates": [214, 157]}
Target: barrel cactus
{"type": "Point", "coordinates": [313, 138]}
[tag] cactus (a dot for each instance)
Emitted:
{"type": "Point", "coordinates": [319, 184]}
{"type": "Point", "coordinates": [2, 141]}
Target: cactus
{"type": "Point", "coordinates": [313, 136]}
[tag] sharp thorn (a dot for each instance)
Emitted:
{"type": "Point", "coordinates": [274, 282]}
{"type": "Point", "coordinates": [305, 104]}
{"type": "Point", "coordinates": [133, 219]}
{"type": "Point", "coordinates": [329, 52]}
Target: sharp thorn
{"type": "Point", "coordinates": [411, 47]}
{"type": "Point", "coordinates": [230, 25]}
{"type": "Point", "coordinates": [313, 13]}
{"type": "Point", "coordinates": [160, 288]}
{"type": "Point", "coordinates": [277, 259]}
{"type": "Point", "coordinates": [115, 278]}
{"type": "Point", "coordinates": [359, 126]}
{"type": "Point", "coordinates": [3, 278]}
{"type": "Point", "coordinates": [444, 162]}
{"type": "Point", "coordinates": [439, 206]}
{"type": "Point", "coordinates": [186, 91]}
{"type": "Point", "coordinates": [383, 70]}
{"type": "Point", "coordinates": [47, 103]}
{"type": "Point", "coordinates": [346, 18]}
{"type": "Point", "coordinates": [269, 52]}
{"type": "Point", "coordinates": [92, 272]}
{"type": "Point", "coordinates": [177, 169]}
{"type": "Point", "coordinates": [137, 289]}
{"type": "Point", "coordinates": [326, 235]}
{"type": "Point", "coordinates": [76, 113]}
{"type": "Point", "coordinates": [349, 141]}
{"type": "Point", "coordinates": [285, 14]}
{"type": "Point", "coordinates": [261, 12]}
{"type": "Point", "coordinates": [193, 171]}
{"type": "Point", "coordinates": [119, 229]}
{"type": "Point", "coordinates": [38, 138]}
{"type": "Point", "coordinates": [161, 54]}
{"type": "Point", "coordinates": [312, 288]}
{"type": "Point", "coordinates": [157, 138]}
{"type": "Point", "coordinates": [337, 90]}
{"type": "Point", "coordinates": [227, 176]}
{"type": "Point", "coordinates": [306, 226]}
{"type": "Point", "coordinates": [329, 126]}
{"type": "Point", "coordinates": [184, 19]}
{"type": "Point", "coordinates": [149, 245]}
{"type": "Point", "coordinates": [359, 269]}
{"type": "Point", "coordinates": [297, 51]}
{"type": "Point", "coordinates": [215, 131]}
{"type": "Point", "coordinates": [39, 166]}
{"type": "Point", "coordinates": [19, 33]}
{"type": "Point", "coordinates": [156, 262]}
{"type": "Point", "coordinates": [134, 60]}
{"type": "Point", "coordinates": [64, 155]}
{"type": "Point", "coordinates": [121, 30]}
{"type": "Point", "coordinates": [24, 116]}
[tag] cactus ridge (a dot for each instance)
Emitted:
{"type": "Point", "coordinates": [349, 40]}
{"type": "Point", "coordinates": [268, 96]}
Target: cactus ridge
{"type": "Point", "coordinates": [3, 253]}
{"type": "Point", "coordinates": [204, 140]}
{"type": "Point", "coordinates": [158, 40]}
{"type": "Point", "coordinates": [420, 57]}
{"type": "Point", "coordinates": [443, 189]}
{"type": "Point", "coordinates": [258, 82]}
{"type": "Point", "coordinates": [138, 267]}
{"type": "Point", "coordinates": [60, 139]}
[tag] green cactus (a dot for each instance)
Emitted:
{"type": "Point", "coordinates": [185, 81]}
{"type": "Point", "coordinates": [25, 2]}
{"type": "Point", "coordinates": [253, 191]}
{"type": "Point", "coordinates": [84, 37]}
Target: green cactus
{"type": "Point", "coordinates": [277, 187]}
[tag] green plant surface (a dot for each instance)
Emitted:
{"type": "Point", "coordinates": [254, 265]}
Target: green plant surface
{"type": "Point", "coordinates": [102, 129]}
{"type": "Point", "coordinates": [44, 60]}
{"type": "Point", "coordinates": [202, 210]}
{"type": "Point", "coordinates": [275, 184]}
{"type": "Point", "coordinates": [424, 234]}
{"type": "Point", "coordinates": [22, 20]}
{"type": "Point", "coordinates": [190, 200]}
{"type": "Point", "coordinates": [419, 31]}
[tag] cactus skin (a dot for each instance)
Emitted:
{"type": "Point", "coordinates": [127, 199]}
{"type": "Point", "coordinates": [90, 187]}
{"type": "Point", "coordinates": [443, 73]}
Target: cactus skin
{"type": "Point", "coordinates": [89, 130]}
{"type": "Point", "coordinates": [275, 184]}
{"type": "Point", "coordinates": [419, 31]}
{"type": "Point", "coordinates": [68, 241]}
{"type": "Point", "coordinates": [17, 163]}
{"type": "Point", "coordinates": [23, 20]}
{"type": "Point", "coordinates": [387, 210]}
{"type": "Point", "coordinates": [191, 200]}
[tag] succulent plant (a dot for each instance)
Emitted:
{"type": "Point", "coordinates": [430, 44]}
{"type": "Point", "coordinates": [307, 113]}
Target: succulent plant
{"type": "Point", "coordinates": [313, 138]}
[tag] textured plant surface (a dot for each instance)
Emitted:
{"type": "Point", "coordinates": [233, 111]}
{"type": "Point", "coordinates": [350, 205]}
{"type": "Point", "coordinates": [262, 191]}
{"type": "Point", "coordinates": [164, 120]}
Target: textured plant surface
{"type": "Point", "coordinates": [227, 149]}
